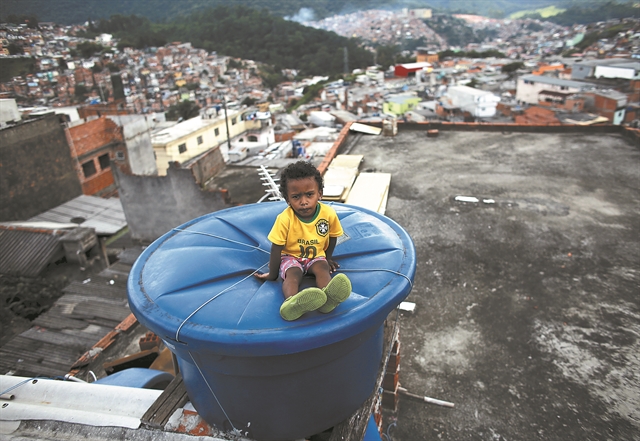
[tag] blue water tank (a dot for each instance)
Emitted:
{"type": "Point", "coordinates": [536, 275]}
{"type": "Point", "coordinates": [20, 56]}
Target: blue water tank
{"type": "Point", "coordinates": [244, 367]}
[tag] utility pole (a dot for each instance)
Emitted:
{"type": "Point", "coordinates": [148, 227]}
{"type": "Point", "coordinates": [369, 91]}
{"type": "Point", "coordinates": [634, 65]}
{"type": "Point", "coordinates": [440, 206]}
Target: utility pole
{"type": "Point", "coordinates": [226, 121]}
{"type": "Point", "coordinates": [346, 61]}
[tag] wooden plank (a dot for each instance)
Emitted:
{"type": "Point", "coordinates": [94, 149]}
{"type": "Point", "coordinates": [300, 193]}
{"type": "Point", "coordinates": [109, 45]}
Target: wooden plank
{"type": "Point", "coordinates": [172, 398]}
{"type": "Point", "coordinates": [95, 310]}
{"type": "Point", "coordinates": [370, 191]}
{"type": "Point", "coordinates": [75, 299]}
{"type": "Point", "coordinates": [55, 319]}
{"type": "Point", "coordinates": [21, 347]}
{"type": "Point", "coordinates": [31, 364]}
{"type": "Point", "coordinates": [90, 330]}
{"type": "Point", "coordinates": [365, 128]}
{"type": "Point", "coordinates": [347, 161]}
{"type": "Point", "coordinates": [29, 370]}
{"type": "Point", "coordinates": [77, 341]}
{"type": "Point", "coordinates": [97, 289]}
{"type": "Point", "coordinates": [103, 322]}
{"type": "Point", "coordinates": [340, 177]}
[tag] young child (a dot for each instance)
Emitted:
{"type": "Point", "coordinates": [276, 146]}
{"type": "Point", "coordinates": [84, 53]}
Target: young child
{"type": "Point", "coordinates": [303, 238]}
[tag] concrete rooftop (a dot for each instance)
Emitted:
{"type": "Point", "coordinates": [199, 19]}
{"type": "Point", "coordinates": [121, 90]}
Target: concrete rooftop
{"type": "Point", "coordinates": [527, 302]}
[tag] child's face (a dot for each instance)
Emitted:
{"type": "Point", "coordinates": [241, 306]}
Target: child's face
{"type": "Point", "coordinates": [303, 196]}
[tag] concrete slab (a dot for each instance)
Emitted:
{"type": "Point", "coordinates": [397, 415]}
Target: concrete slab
{"type": "Point", "coordinates": [527, 311]}
{"type": "Point", "coordinates": [527, 308]}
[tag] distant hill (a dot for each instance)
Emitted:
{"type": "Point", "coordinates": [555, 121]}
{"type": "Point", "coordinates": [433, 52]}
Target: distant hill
{"type": "Point", "coordinates": [247, 33]}
{"type": "Point", "coordinates": [79, 11]}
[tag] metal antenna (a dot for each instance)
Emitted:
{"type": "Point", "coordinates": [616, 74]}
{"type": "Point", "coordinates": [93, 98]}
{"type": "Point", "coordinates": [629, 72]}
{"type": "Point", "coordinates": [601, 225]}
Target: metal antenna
{"type": "Point", "coordinates": [273, 193]}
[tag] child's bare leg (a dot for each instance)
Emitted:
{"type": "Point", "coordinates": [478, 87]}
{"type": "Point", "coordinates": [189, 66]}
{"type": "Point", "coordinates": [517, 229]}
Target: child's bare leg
{"type": "Point", "coordinates": [298, 303]}
{"type": "Point", "coordinates": [291, 283]}
{"type": "Point", "coordinates": [337, 289]}
{"type": "Point", "coordinates": [321, 270]}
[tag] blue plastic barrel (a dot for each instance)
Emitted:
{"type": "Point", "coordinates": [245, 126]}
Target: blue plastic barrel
{"type": "Point", "coordinates": [244, 367]}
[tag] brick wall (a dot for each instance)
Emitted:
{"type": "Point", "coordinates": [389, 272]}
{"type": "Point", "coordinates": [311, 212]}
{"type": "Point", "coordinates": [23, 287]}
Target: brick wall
{"type": "Point", "coordinates": [207, 166]}
{"type": "Point", "coordinates": [90, 141]}
{"type": "Point", "coordinates": [537, 116]}
{"type": "Point", "coordinates": [36, 169]}
{"type": "Point", "coordinates": [94, 134]}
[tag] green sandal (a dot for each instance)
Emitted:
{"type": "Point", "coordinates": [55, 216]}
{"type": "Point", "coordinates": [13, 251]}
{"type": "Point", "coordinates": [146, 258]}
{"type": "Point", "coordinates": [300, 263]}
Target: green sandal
{"type": "Point", "coordinates": [306, 300]}
{"type": "Point", "coordinates": [337, 291]}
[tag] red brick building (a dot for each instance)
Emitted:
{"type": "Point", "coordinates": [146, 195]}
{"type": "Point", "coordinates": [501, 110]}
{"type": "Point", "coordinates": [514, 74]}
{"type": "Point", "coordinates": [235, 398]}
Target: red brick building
{"type": "Point", "coordinates": [94, 144]}
{"type": "Point", "coordinates": [569, 101]}
{"type": "Point", "coordinates": [535, 115]}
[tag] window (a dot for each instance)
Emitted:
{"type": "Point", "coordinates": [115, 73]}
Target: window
{"type": "Point", "coordinates": [233, 121]}
{"type": "Point", "coordinates": [182, 148]}
{"type": "Point", "coordinates": [253, 138]}
{"type": "Point", "coordinates": [104, 161]}
{"type": "Point", "coordinates": [217, 131]}
{"type": "Point", "coordinates": [120, 156]}
{"type": "Point", "coordinates": [200, 140]}
{"type": "Point", "coordinates": [89, 168]}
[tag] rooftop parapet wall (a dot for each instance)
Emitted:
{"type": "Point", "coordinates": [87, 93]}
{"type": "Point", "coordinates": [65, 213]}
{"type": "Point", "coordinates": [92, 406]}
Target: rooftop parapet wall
{"type": "Point", "coordinates": [631, 134]}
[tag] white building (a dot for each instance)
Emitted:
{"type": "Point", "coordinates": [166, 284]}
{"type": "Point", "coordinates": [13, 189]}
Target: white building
{"type": "Point", "coordinates": [195, 136]}
{"type": "Point", "coordinates": [621, 70]}
{"type": "Point", "coordinates": [529, 87]}
{"type": "Point", "coordinates": [479, 103]}
{"type": "Point", "coordinates": [9, 111]}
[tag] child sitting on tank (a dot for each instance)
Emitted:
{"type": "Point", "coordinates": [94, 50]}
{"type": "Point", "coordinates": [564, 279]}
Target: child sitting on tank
{"type": "Point", "coordinates": [303, 239]}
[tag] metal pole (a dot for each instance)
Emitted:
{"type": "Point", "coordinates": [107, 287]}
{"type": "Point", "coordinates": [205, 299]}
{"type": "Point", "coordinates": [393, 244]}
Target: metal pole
{"type": "Point", "coordinates": [226, 121]}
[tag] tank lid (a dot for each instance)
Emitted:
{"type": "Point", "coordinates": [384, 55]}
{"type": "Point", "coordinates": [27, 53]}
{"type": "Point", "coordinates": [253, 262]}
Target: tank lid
{"type": "Point", "coordinates": [194, 285]}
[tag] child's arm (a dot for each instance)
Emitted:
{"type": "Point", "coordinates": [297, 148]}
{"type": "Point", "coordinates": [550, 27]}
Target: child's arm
{"type": "Point", "coordinates": [274, 263]}
{"type": "Point", "coordinates": [333, 265]}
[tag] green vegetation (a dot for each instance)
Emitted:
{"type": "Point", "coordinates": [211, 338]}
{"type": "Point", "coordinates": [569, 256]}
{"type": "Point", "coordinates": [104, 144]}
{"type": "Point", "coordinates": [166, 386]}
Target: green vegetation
{"type": "Point", "coordinates": [456, 31]}
{"type": "Point", "coordinates": [389, 55]}
{"type": "Point", "coordinates": [605, 11]}
{"type": "Point", "coordinates": [470, 54]}
{"type": "Point", "coordinates": [15, 67]}
{"type": "Point", "coordinates": [308, 94]}
{"type": "Point", "coordinates": [30, 20]}
{"type": "Point", "coordinates": [158, 11]}
{"type": "Point", "coordinates": [512, 67]}
{"type": "Point", "coordinates": [272, 40]}
{"type": "Point", "coordinates": [88, 49]}
{"type": "Point", "coordinates": [79, 11]}
{"type": "Point", "coordinates": [592, 37]}
{"type": "Point", "coordinates": [549, 11]}
{"type": "Point", "coordinates": [185, 109]}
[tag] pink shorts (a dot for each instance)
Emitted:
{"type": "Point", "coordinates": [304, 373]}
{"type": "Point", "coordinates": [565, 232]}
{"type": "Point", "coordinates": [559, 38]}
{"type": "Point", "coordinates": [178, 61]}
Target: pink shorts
{"type": "Point", "coordinates": [287, 262]}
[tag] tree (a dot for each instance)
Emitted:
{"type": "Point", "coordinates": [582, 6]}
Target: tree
{"type": "Point", "coordinates": [386, 56]}
{"type": "Point", "coordinates": [87, 48]}
{"type": "Point", "coordinates": [80, 92]}
{"type": "Point", "coordinates": [512, 67]}
{"type": "Point", "coordinates": [15, 49]}
{"type": "Point", "coordinates": [185, 110]}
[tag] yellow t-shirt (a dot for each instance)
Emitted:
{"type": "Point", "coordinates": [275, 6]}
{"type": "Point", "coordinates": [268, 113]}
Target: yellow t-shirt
{"type": "Point", "coordinates": [305, 239]}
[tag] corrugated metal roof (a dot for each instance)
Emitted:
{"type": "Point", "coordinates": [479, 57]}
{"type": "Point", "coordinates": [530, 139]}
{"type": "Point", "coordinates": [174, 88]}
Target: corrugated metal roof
{"type": "Point", "coordinates": [27, 252]}
{"type": "Point", "coordinates": [106, 216]}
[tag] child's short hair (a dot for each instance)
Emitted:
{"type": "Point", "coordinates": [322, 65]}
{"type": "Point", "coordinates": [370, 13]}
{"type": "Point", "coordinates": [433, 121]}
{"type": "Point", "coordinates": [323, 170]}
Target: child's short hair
{"type": "Point", "coordinates": [299, 170]}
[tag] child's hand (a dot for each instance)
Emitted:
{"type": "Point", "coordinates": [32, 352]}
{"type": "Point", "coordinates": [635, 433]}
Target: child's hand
{"type": "Point", "coordinates": [262, 276]}
{"type": "Point", "coordinates": [333, 265]}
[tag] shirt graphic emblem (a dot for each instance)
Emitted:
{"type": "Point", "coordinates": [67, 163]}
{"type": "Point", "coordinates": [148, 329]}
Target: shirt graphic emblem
{"type": "Point", "coordinates": [322, 227]}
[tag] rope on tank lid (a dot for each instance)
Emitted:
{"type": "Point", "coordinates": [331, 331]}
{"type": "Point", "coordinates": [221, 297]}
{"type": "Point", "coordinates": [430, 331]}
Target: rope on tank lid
{"type": "Point", "coordinates": [250, 275]}
{"type": "Point", "coordinates": [235, 431]}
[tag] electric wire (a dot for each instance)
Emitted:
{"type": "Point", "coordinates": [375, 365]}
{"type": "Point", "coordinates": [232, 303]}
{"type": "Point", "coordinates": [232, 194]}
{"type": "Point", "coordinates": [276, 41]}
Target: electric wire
{"type": "Point", "coordinates": [35, 380]}
{"type": "Point", "coordinates": [234, 429]}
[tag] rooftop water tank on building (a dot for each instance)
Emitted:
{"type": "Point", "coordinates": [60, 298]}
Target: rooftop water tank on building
{"type": "Point", "coordinates": [244, 367]}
